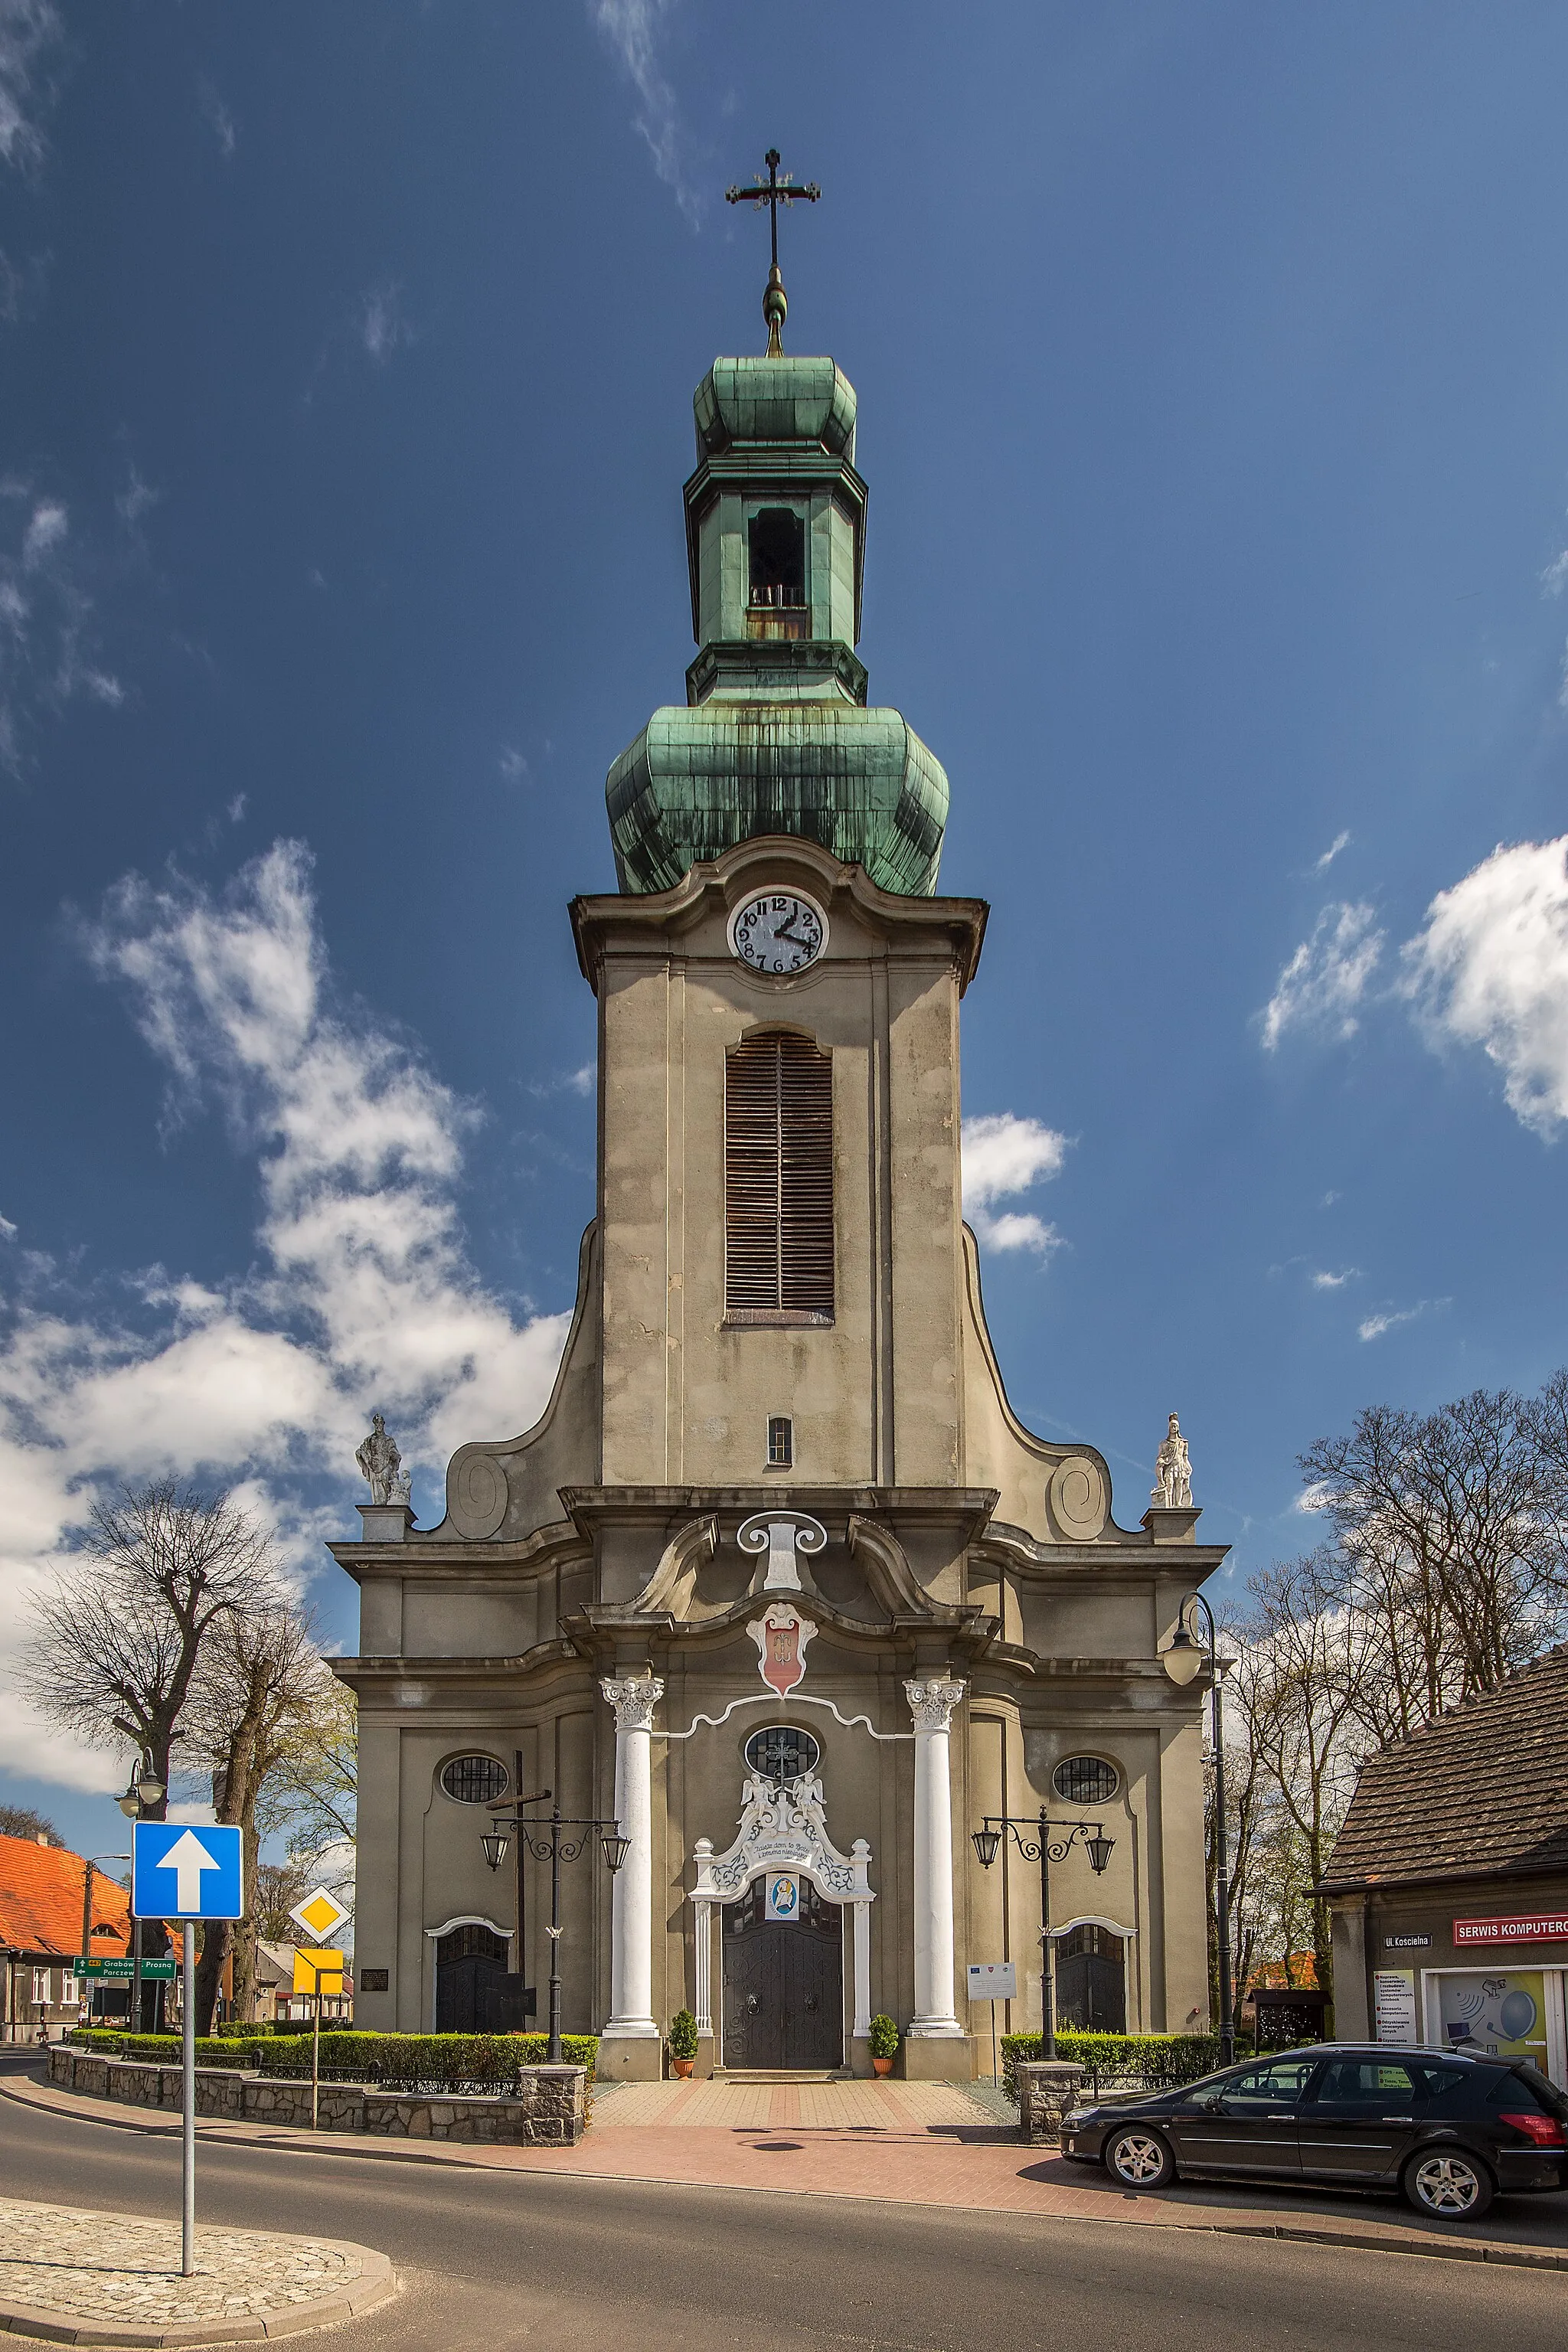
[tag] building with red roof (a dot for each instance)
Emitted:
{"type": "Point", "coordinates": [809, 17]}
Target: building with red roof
{"type": "Point", "coordinates": [42, 1887]}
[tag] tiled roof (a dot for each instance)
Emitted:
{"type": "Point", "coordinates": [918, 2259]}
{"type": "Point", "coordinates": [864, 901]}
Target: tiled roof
{"type": "Point", "coordinates": [40, 1901]}
{"type": "Point", "coordinates": [1481, 1791]}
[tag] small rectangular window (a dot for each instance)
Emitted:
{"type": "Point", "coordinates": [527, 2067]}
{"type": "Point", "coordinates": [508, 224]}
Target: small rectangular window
{"type": "Point", "coordinates": [781, 1444]}
{"type": "Point", "coordinates": [41, 1987]}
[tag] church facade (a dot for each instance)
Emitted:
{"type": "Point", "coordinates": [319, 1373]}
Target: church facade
{"type": "Point", "coordinates": [779, 1592]}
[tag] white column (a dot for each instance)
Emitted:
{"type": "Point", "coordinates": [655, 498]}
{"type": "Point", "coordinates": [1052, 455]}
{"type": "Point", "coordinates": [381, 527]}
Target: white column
{"type": "Point", "coordinates": [702, 1989]}
{"type": "Point", "coordinates": [631, 1900]}
{"type": "Point", "coordinates": [860, 1855]}
{"type": "Point", "coordinates": [931, 1703]}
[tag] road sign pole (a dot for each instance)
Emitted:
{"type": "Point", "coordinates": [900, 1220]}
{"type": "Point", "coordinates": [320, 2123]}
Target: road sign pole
{"type": "Point", "coordinates": [188, 2162]}
{"type": "Point", "coordinates": [316, 2056]}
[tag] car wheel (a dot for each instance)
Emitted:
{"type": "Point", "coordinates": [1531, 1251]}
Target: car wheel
{"type": "Point", "coordinates": [1449, 2184]}
{"type": "Point", "coordinates": [1138, 2160]}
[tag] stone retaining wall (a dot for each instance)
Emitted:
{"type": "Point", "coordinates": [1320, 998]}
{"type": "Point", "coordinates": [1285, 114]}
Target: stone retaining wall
{"type": "Point", "coordinates": [551, 2110]}
{"type": "Point", "coordinates": [1048, 2087]}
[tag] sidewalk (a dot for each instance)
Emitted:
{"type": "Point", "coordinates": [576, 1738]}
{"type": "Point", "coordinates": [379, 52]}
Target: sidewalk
{"type": "Point", "coordinates": [73, 2276]}
{"type": "Point", "coordinates": [908, 2143]}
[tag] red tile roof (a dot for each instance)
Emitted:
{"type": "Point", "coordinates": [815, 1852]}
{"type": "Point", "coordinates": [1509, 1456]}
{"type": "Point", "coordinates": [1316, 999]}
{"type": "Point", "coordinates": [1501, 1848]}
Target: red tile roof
{"type": "Point", "coordinates": [40, 1901]}
{"type": "Point", "coordinates": [1479, 1794]}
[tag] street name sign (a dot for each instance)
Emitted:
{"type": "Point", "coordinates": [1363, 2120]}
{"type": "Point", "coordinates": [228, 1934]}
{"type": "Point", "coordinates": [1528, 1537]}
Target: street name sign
{"type": "Point", "coordinates": [119, 1970]}
{"type": "Point", "coordinates": [178, 1872]}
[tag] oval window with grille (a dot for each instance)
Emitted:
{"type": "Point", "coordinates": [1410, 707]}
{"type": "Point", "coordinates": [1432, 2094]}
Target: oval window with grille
{"type": "Point", "coordinates": [1084, 1780]}
{"type": "Point", "coordinates": [475, 1780]}
{"type": "Point", "coordinates": [779, 1752]}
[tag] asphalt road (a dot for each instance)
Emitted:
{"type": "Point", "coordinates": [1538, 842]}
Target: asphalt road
{"type": "Point", "coordinates": [495, 2261]}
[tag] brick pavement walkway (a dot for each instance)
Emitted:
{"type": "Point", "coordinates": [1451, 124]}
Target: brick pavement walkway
{"type": "Point", "coordinates": [110, 2278]}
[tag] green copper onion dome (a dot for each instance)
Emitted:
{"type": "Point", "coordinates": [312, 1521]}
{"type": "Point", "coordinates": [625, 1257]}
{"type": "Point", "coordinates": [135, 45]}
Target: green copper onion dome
{"type": "Point", "coordinates": [776, 736]}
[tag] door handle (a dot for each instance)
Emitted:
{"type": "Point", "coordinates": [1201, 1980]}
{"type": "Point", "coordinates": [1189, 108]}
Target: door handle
{"type": "Point", "coordinates": [1397, 2119]}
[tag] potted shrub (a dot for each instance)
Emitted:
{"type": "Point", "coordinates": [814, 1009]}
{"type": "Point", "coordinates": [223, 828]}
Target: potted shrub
{"type": "Point", "coordinates": [682, 2042]}
{"type": "Point", "coordinates": [884, 2044]}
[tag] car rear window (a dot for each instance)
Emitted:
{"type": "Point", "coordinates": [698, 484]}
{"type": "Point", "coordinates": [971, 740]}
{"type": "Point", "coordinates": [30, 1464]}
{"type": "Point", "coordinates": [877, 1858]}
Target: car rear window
{"type": "Point", "coordinates": [1449, 2082]}
{"type": "Point", "coordinates": [1545, 2095]}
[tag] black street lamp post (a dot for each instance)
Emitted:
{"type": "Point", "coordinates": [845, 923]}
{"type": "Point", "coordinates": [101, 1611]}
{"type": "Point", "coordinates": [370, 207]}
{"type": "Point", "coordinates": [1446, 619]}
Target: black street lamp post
{"type": "Point", "coordinates": [1044, 1848]}
{"type": "Point", "coordinates": [1181, 1661]}
{"type": "Point", "coordinates": [551, 1847]}
{"type": "Point", "coordinates": [140, 1803]}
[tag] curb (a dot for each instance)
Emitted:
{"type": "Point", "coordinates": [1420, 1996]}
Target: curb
{"type": "Point", "coordinates": [1370, 2239]}
{"type": "Point", "coordinates": [375, 2285]}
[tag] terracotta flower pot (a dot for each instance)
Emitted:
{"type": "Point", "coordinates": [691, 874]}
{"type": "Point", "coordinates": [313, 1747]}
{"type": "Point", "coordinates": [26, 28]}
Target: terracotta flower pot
{"type": "Point", "coordinates": [881, 2065]}
{"type": "Point", "coordinates": [683, 2066]}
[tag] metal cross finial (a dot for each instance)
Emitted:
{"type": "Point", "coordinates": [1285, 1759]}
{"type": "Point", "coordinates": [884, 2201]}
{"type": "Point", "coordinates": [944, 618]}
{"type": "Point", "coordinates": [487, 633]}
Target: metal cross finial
{"type": "Point", "coordinates": [774, 192]}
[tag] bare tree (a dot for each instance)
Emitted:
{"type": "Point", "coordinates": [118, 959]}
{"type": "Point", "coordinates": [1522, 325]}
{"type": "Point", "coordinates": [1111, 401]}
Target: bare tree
{"type": "Point", "coordinates": [1299, 1683]}
{"type": "Point", "coordinates": [114, 1641]}
{"type": "Point", "coordinates": [1454, 1522]}
{"type": "Point", "coordinates": [23, 1821]}
{"type": "Point", "coordinates": [259, 1674]}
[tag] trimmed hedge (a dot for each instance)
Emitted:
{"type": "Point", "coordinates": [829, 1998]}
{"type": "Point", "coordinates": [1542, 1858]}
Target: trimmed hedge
{"type": "Point", "coordinates": [1161, 2059]}
{"type": "Point", "coordinates": [348, 2054]}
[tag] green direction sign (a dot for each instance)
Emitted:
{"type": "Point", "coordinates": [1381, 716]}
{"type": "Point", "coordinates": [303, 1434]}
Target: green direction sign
{"type": "Point", "coordinates": [121, 1971]}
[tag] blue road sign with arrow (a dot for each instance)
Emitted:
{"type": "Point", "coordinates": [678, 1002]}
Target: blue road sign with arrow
{"type": "Point", "coordinates": [181, 1873]}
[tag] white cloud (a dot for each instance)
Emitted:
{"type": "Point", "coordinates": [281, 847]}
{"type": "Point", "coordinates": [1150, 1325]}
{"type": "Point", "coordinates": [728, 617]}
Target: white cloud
{"type": "Point", "coordinates": [27, 29]}
{"type": "Point", "coordinates": [1489, 968]}
{"type": "Point", "coordinates": [1326, 978]}
{"type": "Point", "coordinates": [7, 1230]}
{"type": "Point", "coordinates": [383, 328]}
{"type": "Point", "coordinates": [134, 499]}
{"type": "Point", "coordinates": [513, 764]}
{"type": "Point", "coordinates": [1341, 841]}
{"type": "Point", "coordinates": [45, 530]}
{"type": "Point", "coordinates": [1336, 1281]}
{"type": "Point", "coordinates": [631, 28]}
{"type": "Point", "coordinates": [363, 1296]}
{"type": "Point", "coordinates": [1555, 574]}
{"type": "Point", "coordinates": [1388, 1319]}
{"type": "Point", "coordinates": [48, 644]}
{"type": "Point", "coordinates": [1004, 1155]}
{"type": "Point", "coordinates": [236, 809]}
{"type": "Point", "coordinates": [216, 116]}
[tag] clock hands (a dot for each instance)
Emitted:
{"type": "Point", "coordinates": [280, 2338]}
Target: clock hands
{"type": "Point", "coordinates": [784, 932]}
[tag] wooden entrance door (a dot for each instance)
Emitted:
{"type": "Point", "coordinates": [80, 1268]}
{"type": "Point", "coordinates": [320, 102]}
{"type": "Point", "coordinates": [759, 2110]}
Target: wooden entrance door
{"type": "Point", "coordinates": [784, 1983]}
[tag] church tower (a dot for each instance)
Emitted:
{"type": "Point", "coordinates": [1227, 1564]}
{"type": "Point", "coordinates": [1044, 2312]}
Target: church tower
{"type": "Point", "coordinates": [779, 1588]}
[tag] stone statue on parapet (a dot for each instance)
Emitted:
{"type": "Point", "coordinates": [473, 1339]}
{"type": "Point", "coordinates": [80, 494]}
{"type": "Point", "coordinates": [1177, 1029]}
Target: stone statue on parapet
{"type": "Point", "coordinates": [382, 1464]}
{"type": "Point", "coordinates": [1173, 1472]}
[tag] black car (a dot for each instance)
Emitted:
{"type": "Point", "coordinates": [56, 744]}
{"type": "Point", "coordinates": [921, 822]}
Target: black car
{"type": "Point", "coordinates": [1449, 2128]}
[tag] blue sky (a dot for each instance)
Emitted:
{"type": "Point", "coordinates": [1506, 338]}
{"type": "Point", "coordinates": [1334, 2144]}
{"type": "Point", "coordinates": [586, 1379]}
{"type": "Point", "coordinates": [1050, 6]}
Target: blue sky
{"type": "Point", "coordinates": [1213, 369]}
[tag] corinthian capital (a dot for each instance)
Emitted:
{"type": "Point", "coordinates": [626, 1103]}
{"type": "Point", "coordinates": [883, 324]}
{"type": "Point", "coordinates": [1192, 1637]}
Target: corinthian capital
{"type": "Point", "coordinates": [634, 1700]}
{"type": "Point", "coordinates": [931, 1703]}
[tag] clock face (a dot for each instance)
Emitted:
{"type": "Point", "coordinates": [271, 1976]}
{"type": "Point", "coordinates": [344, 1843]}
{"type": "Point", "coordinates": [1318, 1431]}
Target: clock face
{"type": "Point", "coordinates": [778, 931]}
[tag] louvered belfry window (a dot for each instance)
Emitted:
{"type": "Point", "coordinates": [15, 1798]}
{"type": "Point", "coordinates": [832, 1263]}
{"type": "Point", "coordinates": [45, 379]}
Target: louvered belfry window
{"type": "Point", "coordinates": [778, 1180]}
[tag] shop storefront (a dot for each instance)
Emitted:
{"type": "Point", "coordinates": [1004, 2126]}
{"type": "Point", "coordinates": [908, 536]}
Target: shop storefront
{"type": "Point", "coordinates": [1448, 1883]}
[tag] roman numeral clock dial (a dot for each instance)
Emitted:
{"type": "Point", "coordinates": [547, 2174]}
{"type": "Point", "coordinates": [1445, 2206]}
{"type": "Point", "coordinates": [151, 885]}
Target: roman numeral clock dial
{"type": "Point", "coordinates": [778, 931]}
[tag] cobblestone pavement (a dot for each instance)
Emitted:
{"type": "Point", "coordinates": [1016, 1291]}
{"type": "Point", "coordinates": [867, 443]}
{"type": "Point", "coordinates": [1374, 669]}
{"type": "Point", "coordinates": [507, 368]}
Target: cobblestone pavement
{"type": "Point", "coordinates": [112, 2270]}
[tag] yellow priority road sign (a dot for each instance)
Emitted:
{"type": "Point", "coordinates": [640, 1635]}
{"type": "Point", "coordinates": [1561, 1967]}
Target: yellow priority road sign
{"type": "Point", "coordinates": [319, 1914]}
{"type": "Point", "coordinates": [321, 1971]}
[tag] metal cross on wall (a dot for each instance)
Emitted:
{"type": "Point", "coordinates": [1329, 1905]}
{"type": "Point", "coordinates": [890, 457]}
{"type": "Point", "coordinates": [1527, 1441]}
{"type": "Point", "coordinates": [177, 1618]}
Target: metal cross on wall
{"type": "Point", "coordinates": [774, 192]}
